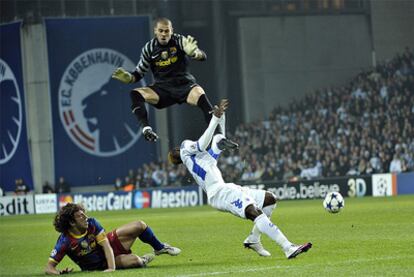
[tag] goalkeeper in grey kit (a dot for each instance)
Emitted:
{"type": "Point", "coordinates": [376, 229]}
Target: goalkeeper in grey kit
{"type": "Point", "coordinates": [167, 55]}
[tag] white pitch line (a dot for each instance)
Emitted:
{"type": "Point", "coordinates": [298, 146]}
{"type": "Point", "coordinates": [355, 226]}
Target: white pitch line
{"type": "Point", "coordinates": [233, 271]}
{"type": "Point", "coordinates": [288, 266]}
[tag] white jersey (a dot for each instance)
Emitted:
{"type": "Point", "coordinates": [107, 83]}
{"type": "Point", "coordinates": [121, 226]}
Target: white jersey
{"type": "Point", "coordinates": [202, 165]}
{"type": "Point", "coordinates": [222, 196]}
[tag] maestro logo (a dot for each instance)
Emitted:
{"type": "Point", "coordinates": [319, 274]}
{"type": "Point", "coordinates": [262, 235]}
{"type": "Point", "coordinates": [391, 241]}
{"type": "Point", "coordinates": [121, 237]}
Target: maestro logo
{"type": "Point", "coordinates": [11, 113]}
{"type": "Point", "coordinates": [94, 108]}
{"type": "Point", "coordinates": [142, 199]}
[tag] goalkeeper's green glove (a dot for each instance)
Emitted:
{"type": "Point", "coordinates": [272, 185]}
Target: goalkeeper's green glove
{"type": "Point", "coordinates": [122, 75]}
{"type": "Point", "coordinates": [190, 46]}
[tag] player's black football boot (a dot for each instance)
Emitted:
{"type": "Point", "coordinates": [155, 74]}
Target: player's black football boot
{"type": "Point", "coordinates": [227, 144]}
{"type": "Point", "coordinates": [149, 134]}
{"type": "Point", "coordinates": [295, 250]}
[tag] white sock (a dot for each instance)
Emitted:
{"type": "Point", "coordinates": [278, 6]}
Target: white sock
{"type": "Point", "coordinates": [255, 233]}
{"type": "Point", "coordinates": [272, 231]}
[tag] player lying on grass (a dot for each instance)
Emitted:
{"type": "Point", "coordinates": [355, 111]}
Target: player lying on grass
{"type": "Point", "coordinates": [84, 240]}
{"type": "Point", "coordinates": [253, 204]}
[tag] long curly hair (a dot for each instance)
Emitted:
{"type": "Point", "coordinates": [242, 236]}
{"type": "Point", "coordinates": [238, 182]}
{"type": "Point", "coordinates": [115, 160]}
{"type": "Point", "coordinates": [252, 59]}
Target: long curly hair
{"type": "Point", "coordinates": [65, 216]}
{"type": "Point", "coordinates": [174, 156]}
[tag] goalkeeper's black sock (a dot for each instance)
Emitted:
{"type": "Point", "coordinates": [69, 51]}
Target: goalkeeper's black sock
{"type": "Point", "coordinates": [204, 104]}
{"type": "Point", "coordinates": [138, 107]}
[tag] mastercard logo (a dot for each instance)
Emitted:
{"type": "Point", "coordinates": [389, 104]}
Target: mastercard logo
{"type": "Point", "coordinates": [64, 199]}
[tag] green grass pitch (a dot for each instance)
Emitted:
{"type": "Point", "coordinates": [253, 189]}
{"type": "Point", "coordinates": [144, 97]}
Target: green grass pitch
{"type": "Point", "coordinates": [370, 237]}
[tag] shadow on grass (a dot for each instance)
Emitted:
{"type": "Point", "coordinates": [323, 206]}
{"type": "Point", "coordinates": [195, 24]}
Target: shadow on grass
{"type": "Point", "coordinates": [74, 273]}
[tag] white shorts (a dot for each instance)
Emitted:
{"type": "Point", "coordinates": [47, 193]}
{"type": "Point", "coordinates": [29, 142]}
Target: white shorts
{"type": "Point", "coordinates": [234, 199]}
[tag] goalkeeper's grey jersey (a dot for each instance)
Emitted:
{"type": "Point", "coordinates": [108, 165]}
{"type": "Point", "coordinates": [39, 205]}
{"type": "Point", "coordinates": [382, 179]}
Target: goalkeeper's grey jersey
{"type": "Point", "coordinates": [167, 62]}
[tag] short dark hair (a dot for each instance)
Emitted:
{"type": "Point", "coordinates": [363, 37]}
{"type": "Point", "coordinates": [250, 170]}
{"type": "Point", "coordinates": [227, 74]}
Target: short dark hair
{"type": "Point", "coordinates": [65, 216]}
{"type": "Point", "coordinates": [162, 20]}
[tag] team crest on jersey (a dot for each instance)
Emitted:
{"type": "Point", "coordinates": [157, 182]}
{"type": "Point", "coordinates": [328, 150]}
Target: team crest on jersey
{"type": "Point", "coordinates": [84, 244]}
{"type": "Point", "coordinates": [93, 110]}
{"type": "Point", "coordinates": [11, 112]}
{"type": "Point", "coordinates": [173, 51]}
{"type": "Point", "coordinates": [164, 55]}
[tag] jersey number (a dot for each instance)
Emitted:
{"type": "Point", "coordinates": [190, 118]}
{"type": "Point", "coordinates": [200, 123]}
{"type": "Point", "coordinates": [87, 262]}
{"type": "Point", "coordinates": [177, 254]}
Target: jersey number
{"type": "Point", "coordinates": [238, 203]}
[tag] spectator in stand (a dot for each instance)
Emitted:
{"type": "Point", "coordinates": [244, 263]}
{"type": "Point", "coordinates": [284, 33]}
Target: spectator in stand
{"type": "Point", "coordinates": [159, 175]}
{"type": "Point", "coordinates": [62, 186]}
{"type": "Point", "coordinates": [129, 184]}
{"type": "Point", "coordinates": [172, 176]}
{"type": "Point", "coordinates": [132, 176]}
{"type": "Point", "coordinates": [332, 170]}
{"type": "Point", "coordinates": [268, 174]}
{"type": "Point", "coordinates": [21, 187]}
{"type": "Point", "coordinates": [47, 188]}
{"type": "Point", "coordinates": [139, 183]}
{"type": "Point", "coordinates": [396, 164]}
{"type": "Point", "coordinates": [118, 184]}
{"type": "Point", "coordinates": [287, 173]}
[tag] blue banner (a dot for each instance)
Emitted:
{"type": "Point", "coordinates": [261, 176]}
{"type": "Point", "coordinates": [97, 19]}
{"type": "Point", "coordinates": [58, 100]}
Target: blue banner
{"type": "Point", "coordinates": [405, 183]}
{"type": "Point", "coordinates": [14, 153]}
{"type": "Point", "coordinates": [96, 137]}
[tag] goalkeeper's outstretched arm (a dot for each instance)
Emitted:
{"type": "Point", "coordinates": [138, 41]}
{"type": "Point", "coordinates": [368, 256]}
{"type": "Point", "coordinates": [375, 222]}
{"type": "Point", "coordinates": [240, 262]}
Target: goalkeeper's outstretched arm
{"type": "Point", "coordinates": [199, 55]}
{"type": "Point", "coordinates": [190, 47]}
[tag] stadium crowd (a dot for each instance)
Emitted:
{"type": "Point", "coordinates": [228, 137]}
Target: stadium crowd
{"type": "Point", "coordinates": [364, 127]}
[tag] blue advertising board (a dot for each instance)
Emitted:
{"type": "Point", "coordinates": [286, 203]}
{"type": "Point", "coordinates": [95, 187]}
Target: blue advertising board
{"type": "Point", "coordinates": [96, 137]}
{"type": "Point", "coordinates": [15, 162]}
{"type": "Point", "coordinates": [188, 196]}
{"type": "Point", "coordinates": [405, 183]}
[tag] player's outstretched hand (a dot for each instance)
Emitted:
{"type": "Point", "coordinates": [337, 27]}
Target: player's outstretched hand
{"type": "Point", "coordinates": [221, 108]}
{"type": "Point", "coordinates": [190, 46]}
{"type": "Point", "coordinates": [122, 75]}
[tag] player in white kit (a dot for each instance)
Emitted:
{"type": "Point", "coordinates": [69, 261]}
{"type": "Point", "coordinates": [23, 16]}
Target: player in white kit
{"type": "Point", "coordinates": [256, 205]}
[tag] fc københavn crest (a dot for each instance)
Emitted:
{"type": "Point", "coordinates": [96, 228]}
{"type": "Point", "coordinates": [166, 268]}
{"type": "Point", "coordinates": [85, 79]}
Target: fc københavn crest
{"type": "Point", "coordinates": [11, 112]}
{"type": "Point", "coordinates": [92, 106]}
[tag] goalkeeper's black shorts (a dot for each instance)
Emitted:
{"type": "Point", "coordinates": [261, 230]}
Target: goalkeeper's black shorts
{"type": "Point", "coordinates": [172, 92]}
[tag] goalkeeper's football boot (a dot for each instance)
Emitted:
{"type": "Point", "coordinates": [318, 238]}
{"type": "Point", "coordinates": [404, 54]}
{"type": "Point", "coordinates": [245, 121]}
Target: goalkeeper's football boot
{"type": "Point", "coordinates": [146, 259]}
{"type": "Point", "coordinates": [149, 134]}
{"type": "Point", "coordinates": [227, 144]}
{"type": "Point", "coordinates": [295, 250]}
{"type": "Point", "coordinates": [168, 249]}
{"type": "Point", "coordinates": [256, 246]}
